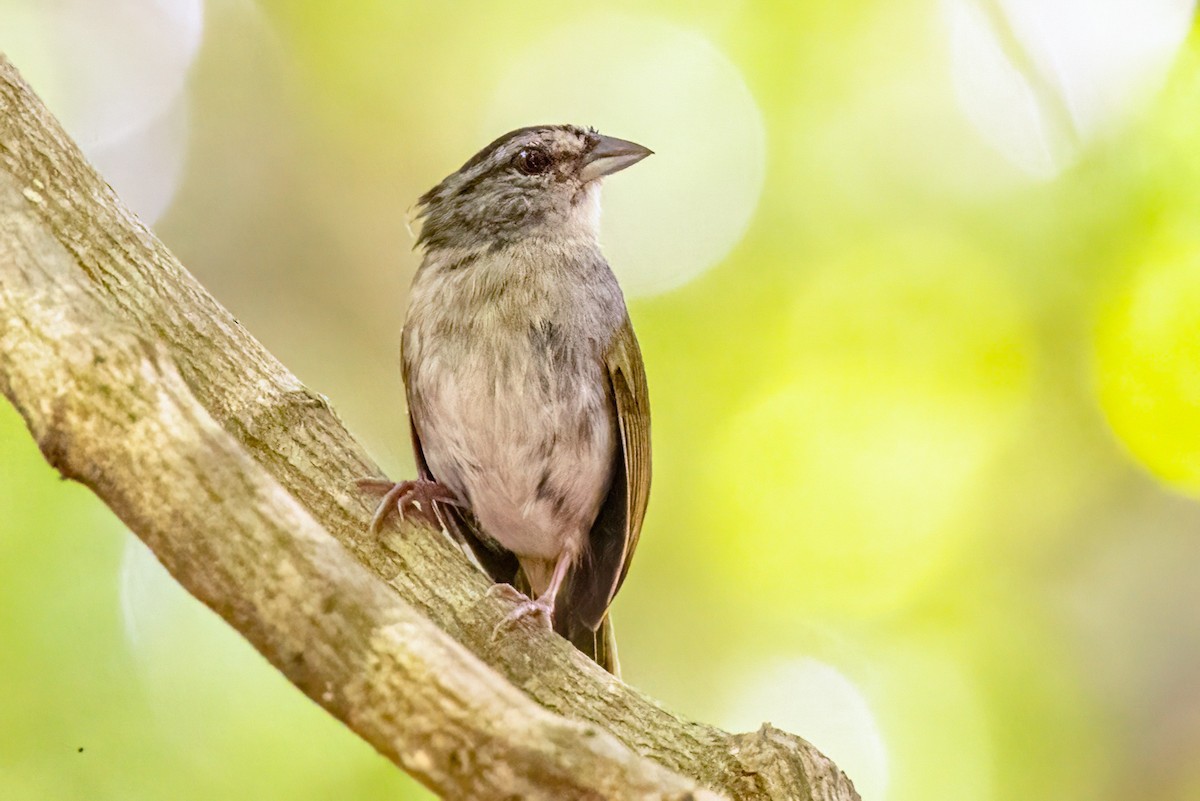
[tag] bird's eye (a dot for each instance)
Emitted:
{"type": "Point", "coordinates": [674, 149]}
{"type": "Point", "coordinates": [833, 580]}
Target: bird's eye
{"type": "Point", "coordinates": [533, 161]}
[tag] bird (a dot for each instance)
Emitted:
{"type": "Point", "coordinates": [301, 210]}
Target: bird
{"type": "Point", "coordinates": [527, 395]}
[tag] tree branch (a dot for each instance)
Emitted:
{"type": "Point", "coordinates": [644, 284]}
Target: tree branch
{"type": "Point", "coordinates": [135, 382]}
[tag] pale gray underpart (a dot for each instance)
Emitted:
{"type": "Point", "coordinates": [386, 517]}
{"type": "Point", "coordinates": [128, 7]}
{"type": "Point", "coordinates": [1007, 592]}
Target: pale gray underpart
{"type": "Point", "coordinates": [135, 382]}
{"type": "Point", "coordinates": [528, 442]}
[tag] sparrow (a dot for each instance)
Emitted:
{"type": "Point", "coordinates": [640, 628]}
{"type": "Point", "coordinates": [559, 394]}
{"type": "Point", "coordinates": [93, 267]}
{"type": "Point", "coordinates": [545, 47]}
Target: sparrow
{"type": "Point", "coordinates": [527, 396]}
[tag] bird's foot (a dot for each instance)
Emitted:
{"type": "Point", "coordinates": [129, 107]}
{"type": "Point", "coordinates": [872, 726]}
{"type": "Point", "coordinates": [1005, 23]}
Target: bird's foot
{"type": "Point", "coordinates": [542, 609]}
{"type": "Point", "coordinates": [410, 499]}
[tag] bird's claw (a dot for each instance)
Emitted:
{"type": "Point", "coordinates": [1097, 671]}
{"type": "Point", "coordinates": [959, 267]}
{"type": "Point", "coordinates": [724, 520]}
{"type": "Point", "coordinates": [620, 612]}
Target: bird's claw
{"type": "Point", "coordinates": [506, 592]}
{"type": "Point", "coordinates": [410, 499]}
{"type": "Point", "coordinates": [526, 607]}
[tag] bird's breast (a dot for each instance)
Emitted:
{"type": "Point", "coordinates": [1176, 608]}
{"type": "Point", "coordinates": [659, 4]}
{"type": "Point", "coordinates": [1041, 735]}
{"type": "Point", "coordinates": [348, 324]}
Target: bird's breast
{"type": "Point", "coordinates": [510, 400]}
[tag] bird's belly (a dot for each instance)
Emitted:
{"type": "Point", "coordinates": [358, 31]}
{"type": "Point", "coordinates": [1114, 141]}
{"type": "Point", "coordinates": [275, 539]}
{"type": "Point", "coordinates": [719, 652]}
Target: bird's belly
{"type": "Point", "coordinates": [533, 458]}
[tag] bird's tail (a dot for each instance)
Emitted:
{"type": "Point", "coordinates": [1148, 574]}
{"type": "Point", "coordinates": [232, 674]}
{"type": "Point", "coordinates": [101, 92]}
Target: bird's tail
{"type": "Point", "coordinates": [600, 645]}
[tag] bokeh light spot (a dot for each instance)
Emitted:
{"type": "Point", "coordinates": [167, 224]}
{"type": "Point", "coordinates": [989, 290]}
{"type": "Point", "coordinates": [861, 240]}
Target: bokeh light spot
{"type": "Point", "coordinates": [1148, 366]}
{"type": "Point", "coordinates": [146, 166]}
{"type": "Point", "coordinates": [1040, 79]}
{"type": "Point", "coordinates": [673, 91]}
{"type": "Point", "coordinates": [239, 712]}
{"type": "Point", "coordinates": [114, 74]}
{"type": "Point", "coordinates": [805, 695]}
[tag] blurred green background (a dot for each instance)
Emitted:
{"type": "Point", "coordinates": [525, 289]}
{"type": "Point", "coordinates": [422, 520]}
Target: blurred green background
{"type": "Point", "coordinates": [918, 286]}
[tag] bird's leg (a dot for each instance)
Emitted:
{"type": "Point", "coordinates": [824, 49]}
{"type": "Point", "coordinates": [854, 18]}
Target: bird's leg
{"type": "Point", "coordinates": [543, 606]}
{"type": "Point", "coordinates": [409, 498]}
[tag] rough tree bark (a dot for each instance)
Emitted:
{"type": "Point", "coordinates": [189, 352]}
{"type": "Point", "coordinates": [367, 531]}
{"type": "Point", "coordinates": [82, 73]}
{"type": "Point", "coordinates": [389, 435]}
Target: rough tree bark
{"type": "Point", "coordinates": [137, 383]}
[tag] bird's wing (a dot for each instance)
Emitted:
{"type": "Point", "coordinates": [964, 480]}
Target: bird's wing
{"type": "Point", "coordinates": [614, 535]}
{"type": "Point", "coordinates": [461, 524]}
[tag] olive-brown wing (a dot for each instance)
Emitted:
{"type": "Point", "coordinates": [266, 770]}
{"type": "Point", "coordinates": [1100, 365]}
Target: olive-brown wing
{"type": "Point", "coordinates": [614, 536]}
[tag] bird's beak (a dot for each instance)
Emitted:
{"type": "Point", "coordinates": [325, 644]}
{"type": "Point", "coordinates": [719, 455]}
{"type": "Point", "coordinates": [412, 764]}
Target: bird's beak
{"type": "Point", "coordinates": [611, 155]}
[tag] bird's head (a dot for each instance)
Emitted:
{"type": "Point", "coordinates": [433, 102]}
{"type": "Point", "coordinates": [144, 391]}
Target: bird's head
{"type": "Point", "coordinates": [537, 181]}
